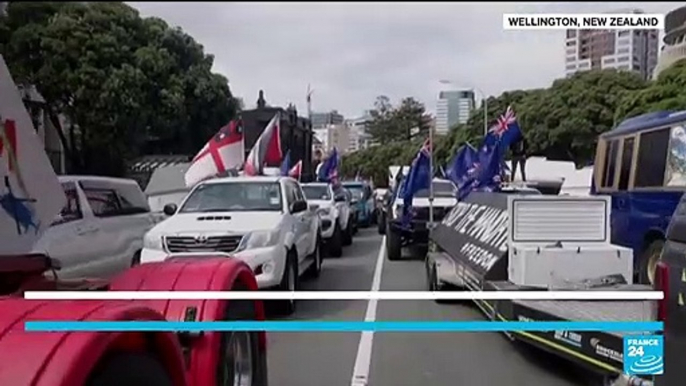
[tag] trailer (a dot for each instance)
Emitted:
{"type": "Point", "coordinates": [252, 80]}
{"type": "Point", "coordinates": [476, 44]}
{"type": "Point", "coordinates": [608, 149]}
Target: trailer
{"type": "Point", "coordinates": [519, 242]}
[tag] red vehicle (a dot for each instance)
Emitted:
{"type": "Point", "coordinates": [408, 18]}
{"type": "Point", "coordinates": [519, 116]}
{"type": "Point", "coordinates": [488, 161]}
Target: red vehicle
{"type": "Point", "coordinates": [130, 358]}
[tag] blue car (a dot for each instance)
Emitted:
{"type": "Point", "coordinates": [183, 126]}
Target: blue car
{"type": "Point", "coordinates": [362, 200]}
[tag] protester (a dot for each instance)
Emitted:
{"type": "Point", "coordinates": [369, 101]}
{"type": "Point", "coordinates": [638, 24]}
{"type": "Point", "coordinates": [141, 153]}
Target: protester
{"type": "Point", "coordinates": [518, 150]}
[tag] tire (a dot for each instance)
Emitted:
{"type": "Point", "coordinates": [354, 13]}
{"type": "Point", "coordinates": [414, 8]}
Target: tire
{"type": "Point", "coordinates": [335, 245]}
{"type": "Point", "coordinates": [649, 259]}
{"type": "Point", "coordinates": [348, 235]}
{"type": "Point", "coordinates": [315, 269]}
{"type": "Point", "coordinates": [240, 360]}
{"type": "Point", "coordinates": [381, 224]}
{"type": "Point", "coordinates": [393, 244]}
{"type": "Point", "coordinates": [289, 282]}
{"type": "Point", "coordinates": [130, 369]}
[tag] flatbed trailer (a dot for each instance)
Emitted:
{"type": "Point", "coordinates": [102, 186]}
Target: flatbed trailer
{"type": "Point", "coordinates": [470, 254]}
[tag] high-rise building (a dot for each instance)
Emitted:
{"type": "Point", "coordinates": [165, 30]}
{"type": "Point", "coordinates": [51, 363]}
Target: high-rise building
{"type": "Point", "coordinates": [675, 40]}
{"type": "Point", "coordinates": [630, 50]}
{"type": "Point", "coordinates": [321, 120]}
{"type": "Point", "coordinates": [453, 107]}
{"type": "Point", "coordinates": [359, 137]}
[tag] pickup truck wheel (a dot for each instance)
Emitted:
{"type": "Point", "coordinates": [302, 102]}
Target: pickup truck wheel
{"type": "Point", "coordinates": [130, 369]}
{"type": "Point", "coordinates": [335, 245]}
{"type": "Point", "coordinates": [393, 245]}
{"type": "Point", "coordinates": [649, 260]}
{"type": "Point", "coordinates": [240, 361]}
{"type": "Point", "coordinates": [316, 268]}
{"type": "Point", "coordinates": [289, 283]}
{"type": "Point", "coordinates": [348, 235]}
{"type": "Point", "coordinates": [381, 224]}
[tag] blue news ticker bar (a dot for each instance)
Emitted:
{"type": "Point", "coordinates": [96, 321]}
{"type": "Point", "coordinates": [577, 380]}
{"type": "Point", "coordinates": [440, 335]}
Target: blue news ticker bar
{"type": "Point", "coordinates": [352, 326]}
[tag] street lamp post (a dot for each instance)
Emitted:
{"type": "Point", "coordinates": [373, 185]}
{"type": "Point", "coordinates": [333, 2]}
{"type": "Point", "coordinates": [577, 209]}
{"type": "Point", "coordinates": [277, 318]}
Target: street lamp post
{"type": "Point", "coordinates": [484, 98]}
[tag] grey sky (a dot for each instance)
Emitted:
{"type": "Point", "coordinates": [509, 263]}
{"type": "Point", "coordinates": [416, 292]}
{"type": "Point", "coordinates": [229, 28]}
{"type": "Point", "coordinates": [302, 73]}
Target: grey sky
{"type": "Point", "coordinates": [352, 52]}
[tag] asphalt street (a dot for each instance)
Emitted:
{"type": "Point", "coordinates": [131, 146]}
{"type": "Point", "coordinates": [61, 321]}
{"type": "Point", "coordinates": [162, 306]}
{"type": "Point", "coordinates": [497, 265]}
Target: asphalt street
{"type": "Point", "coordinates": [400, 359]}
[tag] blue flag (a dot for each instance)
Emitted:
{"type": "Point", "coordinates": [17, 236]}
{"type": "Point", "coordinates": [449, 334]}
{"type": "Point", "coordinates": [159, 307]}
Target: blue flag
{"type": "Point", "coordinates": [484, 175]}
{"type": "Point", "coordinates": [418, 178]}
{"type": "Point", "coordinates": [463, 161]}
{"type": "Point", "coordinates": [286, 164]}
{"type": "Point", "coordinates": [329, 170]}
{"type": "Point", "coordinates": [505, 132]}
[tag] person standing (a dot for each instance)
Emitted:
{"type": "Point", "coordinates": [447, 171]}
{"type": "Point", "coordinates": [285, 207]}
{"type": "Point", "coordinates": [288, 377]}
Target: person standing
{"type": "Point", "coordinates": [518, 150]}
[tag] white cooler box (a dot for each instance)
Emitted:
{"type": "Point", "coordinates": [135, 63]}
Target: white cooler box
{"type": "Point", "coordinates": [555, 241]}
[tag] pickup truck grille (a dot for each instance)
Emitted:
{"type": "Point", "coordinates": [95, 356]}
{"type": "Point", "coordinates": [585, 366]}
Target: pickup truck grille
{"type": "Point", "coordinates": [422, 214]}
{"type": "Point", "coordinates": [177, 244]}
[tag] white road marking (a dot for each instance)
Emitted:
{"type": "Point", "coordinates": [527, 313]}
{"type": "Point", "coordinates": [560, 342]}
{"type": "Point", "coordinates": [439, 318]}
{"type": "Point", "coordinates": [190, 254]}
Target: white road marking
{"type": "Point", "coordinates": [363, 360]}
{"type": "Point", "coordinates": [345, 295]}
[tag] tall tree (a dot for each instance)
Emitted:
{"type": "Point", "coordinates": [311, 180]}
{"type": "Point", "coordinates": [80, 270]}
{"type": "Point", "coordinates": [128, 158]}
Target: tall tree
{"type": "Point", "coordinates": [391, 123]}
{"type": "Point", "coordinates": [120, 81]}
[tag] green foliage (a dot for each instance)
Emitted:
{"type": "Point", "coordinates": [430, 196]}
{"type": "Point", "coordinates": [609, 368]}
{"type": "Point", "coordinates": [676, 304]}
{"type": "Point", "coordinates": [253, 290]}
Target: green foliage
{"type": "Point", "coordinates": [120, 80]}
{"type": "Point", "coordinates": [390, 124]}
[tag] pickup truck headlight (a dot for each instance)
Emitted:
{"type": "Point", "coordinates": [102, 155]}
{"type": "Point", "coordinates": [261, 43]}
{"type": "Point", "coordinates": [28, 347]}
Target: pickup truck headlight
{"type": "Point", "coordinates": [258, 239]}
{"type": "Point", "coordinates": [153, 242]}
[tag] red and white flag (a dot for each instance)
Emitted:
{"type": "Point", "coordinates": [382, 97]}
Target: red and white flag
{"type": "Point", "coordinates": [267, 149]}
{"type": "Point", "coordinates": [296, 170]}
{"type": "Point", "coordinates": [222, 152]}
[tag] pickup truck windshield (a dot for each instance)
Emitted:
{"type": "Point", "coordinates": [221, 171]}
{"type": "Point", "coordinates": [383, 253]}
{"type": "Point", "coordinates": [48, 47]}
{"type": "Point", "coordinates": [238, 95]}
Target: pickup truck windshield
{"type": "Point", "coordinates": [317, 192]}
{"type": "Point", "coordinates": [234, 197]}
{"type": "Point", "coordinates": [441, 189]}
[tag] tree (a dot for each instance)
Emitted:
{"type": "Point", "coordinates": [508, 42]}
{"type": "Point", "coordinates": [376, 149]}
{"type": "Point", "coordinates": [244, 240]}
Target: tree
{"type": "Point", "coordinates": [389, 124]}
{"type": "Point", "coordinates": [666, 93]}
{"type": "Point", "coordinates": [121, 81]}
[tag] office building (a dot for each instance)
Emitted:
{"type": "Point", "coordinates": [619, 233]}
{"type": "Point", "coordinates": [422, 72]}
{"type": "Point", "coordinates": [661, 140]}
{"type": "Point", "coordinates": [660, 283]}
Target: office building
{"type": "Point", "coordinates": [453, 107]}
{"type": "Point", "coordinates": [630, 50]}
{"type": "Point", "coordinates": [359, 136]}
{"type": "Point", "coordinates": [322, 120]}
{"type": "Point", "coordinates": [675, 42]}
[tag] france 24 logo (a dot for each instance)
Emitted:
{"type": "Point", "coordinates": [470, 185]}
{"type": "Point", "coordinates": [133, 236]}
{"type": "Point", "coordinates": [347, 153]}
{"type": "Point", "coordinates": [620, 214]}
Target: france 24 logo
{"type": "Point", "coordinates": [644, 355]}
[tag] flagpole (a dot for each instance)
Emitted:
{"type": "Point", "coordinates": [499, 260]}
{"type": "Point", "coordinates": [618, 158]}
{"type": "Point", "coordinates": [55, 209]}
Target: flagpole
{"type": "Point", "coordinates": [431, 177]}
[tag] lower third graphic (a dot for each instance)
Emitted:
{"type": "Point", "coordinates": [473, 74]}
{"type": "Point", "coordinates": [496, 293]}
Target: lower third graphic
{"type": "Point", "coordinates": [644, 355]}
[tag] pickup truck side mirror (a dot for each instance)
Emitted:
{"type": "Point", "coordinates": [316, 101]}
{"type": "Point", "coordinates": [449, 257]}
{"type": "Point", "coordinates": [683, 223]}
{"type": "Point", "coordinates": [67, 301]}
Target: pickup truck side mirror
{"type": "Point", "coordinates": [339, 198]}
{"type": "Point", "coordinates": [299, 206]}
{"type": "Point", "coordinates": [169, 209]}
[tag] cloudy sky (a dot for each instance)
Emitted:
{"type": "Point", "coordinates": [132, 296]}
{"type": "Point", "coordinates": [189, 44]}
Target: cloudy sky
{"type": "Point", "coordinates": [352, 52]}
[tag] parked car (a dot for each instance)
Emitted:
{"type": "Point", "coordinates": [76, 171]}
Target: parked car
{"type": "Point", "coordinates": [362, 199]}
{"type": "Point", "coordinates": [335, 215]}
{"type": "Point", "coordinates": [264, 221]}
{"type": "Point", "coordinates": [99, 232]}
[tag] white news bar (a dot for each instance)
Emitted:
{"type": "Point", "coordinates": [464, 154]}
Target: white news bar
{"type": "Point", "coordinates": [343, 295]}
{"type": "Point", "coordinates": [602, 21]}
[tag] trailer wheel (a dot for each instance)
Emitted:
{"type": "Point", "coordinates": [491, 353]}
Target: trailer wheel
{"type": "Point", "coordinates": [393, 245]}
{"type": "Point", "coordinates": [240, 361]}
{"type": "Point", "coordinates": [130, 369]}
{"type": "Point", "coordinates": [649, 260]}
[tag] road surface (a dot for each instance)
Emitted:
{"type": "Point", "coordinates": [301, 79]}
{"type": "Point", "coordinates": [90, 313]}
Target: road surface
{"type": "Point", "coordinates": [400, 359]}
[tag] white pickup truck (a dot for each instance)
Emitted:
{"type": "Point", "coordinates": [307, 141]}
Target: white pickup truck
{"type": "Point", "coordinates": [264, 221]}
{"type": "Point", "coordinates": [99, 232]}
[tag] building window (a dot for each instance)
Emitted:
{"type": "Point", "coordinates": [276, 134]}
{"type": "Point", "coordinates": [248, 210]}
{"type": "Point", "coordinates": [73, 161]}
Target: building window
{"type": "Point", "coordinates": [623, 50]}
{"type": "Point", "coordinates": [636, 67]}
{"type": "Point", "coordinates": [583, 65]}
{"type": "Point", "coordinates": [571, 43]}
{"type": "Point", "coordinates": [571, 51]}
{"type": "Point", "coordinates": [571, 33]}
{"type": "Point", "coordinates": [571, 58]}
{"type": "Point", "coordinates": [571, 67]}
{"type": "Point", "coordinates": [624, 67]}
{"type": "Point", "coordinates": [623, 33]}
{"type": "Point", "coordinates": [623, 59]}
{"type": "Point", "coordinates": [609, 60]}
